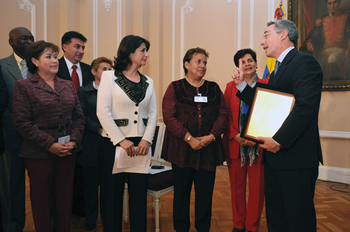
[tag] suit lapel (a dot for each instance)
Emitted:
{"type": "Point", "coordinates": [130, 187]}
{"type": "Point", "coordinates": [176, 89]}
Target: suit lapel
{"type": "Point", "coordinates": [13, 68]}
{"type": "Point", "coordinates": [63, 70]}
{"type": "Point", "coordinates": [283, 67]}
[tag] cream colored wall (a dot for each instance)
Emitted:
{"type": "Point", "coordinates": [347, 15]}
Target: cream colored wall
{"type": "Point", "coordinates": [173, 26]}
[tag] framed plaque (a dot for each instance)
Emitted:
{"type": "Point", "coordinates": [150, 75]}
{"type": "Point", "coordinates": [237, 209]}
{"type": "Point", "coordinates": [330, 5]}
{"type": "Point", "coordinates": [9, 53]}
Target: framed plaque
{"type": "Point", "coordinates": [267, 113]}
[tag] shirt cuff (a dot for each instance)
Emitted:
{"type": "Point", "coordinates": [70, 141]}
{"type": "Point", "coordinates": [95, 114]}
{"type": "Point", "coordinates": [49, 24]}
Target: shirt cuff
{"type": "Point", "coordinates": [242, 86]}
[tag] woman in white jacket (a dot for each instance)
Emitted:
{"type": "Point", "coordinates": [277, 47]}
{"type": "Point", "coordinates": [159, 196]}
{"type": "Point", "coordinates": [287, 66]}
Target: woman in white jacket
{"type": "Point", "coordinates": [127, 110]}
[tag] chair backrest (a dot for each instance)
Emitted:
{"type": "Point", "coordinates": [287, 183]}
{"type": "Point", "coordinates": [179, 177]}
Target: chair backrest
{"type": "Point", "coordinates": [157, 142]}
{"type": "Point", "coordinates": [160, 159]}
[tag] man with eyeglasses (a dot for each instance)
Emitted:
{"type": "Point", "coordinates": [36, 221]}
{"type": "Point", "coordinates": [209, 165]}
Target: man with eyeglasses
{"type": "Point", "coordinates": [293, 154]}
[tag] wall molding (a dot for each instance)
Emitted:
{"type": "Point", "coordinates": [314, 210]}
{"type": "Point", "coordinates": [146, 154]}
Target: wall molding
{"type": "Point", "coordinates": [270, 11]}
{"type": "Point", "coordinates": [108, 4]}
{"type": "Point", "coordinates": [251, 42]}
{"type": "Point", "coordinates": [334, 174]}
{"type": "Point", "coordinates": [95, 27]}
{"type": "Point", "coordinates": [26, 5]}
{"type": "Point", "coordinates": [184, 10]}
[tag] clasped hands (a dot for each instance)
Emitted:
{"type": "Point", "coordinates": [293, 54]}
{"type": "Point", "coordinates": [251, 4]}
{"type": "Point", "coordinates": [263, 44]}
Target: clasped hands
{"type": "Point", "coordinates": [62, 149]}
{"type": "Point", "coordinates": [141, 150]}
{"type": "Point", "coordinates": [198, 143]}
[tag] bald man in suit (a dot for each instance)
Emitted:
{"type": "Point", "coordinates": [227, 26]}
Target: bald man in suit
{"type": "Point", "coordinates": [12, 171]}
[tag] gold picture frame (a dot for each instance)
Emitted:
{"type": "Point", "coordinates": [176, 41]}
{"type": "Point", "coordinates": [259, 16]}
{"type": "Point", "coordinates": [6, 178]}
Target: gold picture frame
{"type": "Point", "coordinates": [339, 79]}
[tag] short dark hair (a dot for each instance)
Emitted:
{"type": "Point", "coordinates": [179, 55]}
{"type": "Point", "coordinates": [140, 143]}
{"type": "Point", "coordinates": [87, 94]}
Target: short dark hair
{"type": "Point", "coordinates": [189, 54]}
{"type": "Point", "coordinates": [239, 54]}
{"type": "Point", "coordinates": [68, 36]}
{"type": "Point", "coordinates": [36, 49]}
{"type": "Point", "coordinates": [97, 61]}
{"type": "Point", "coordinates": [128, 45]}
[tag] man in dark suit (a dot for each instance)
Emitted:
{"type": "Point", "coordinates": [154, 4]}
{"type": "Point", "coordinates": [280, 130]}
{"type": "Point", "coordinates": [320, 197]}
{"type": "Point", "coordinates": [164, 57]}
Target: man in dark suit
{"type": "Point", "coordinates": [71, 68]}
{"type": "Point", "coordinates": [12, 171]}
{"type": "Point", "coordinates": [293, 154]}
{"type": "Point", "coordinates": [3, 102]}
{"type": "Point", "coordinates": [73, 45]}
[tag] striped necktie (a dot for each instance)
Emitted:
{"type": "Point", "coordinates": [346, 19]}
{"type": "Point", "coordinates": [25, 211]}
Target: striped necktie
{"type": "Point", "coordinates": [24, 69]}
{"type": "Point", "coordinates": [276, 66]}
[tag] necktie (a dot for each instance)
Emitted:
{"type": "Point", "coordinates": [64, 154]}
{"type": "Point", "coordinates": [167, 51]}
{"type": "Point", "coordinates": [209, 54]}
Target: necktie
{"type": "Point", "coordinates": [24, 69]}
{"type": "Point", "coordinates": [75, 78]}
{"type": "Point", "coordinates": [276, 66]}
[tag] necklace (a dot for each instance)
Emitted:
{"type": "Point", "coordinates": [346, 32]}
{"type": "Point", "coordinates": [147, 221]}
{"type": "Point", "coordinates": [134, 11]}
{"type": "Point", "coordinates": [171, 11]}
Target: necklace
{"type": "Point", "coordinates": [195, 85]}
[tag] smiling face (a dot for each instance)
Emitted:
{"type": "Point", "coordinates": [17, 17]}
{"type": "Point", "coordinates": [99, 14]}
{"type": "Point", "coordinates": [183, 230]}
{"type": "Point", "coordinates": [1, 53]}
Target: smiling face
{"type": "Point", "coordinates": [20, 39]}
{"type": "Point", "coordinates": [74, 51]}
{"type": "Point", "coordinates": [272, 42]}
{"type": "Point", "coordinates": [140, 56]}
{"type": "Point", "coordinates": [197, 66]}
{"type": "Point", "coordinates": [47, 63]}
{"type": "Point", "coordinates": [248, 65]}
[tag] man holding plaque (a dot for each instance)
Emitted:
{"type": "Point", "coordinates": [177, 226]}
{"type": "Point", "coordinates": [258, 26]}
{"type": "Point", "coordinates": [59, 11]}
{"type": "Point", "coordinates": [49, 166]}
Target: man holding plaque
{"type": "Point", "coordinates": [293, 153]}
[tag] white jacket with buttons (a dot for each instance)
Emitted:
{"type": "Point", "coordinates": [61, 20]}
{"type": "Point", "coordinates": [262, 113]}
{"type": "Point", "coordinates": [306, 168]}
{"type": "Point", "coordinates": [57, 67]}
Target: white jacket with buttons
{"type": "Point", "coordinates": [114, 104]}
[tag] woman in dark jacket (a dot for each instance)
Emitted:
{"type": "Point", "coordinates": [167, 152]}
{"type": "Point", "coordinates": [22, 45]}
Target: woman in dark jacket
{"type": "Point", "coordinates": [195, 114]}
{"type": "Point", "coordinates": [47, 114]}
{"type": "Point", "coordinates": [88, 158]}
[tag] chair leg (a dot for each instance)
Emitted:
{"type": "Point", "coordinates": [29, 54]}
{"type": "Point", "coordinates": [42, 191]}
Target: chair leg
{"type": "Point", "coordinates": [125, 204]}
{"type": "Point", "coordinates": [157, 207]}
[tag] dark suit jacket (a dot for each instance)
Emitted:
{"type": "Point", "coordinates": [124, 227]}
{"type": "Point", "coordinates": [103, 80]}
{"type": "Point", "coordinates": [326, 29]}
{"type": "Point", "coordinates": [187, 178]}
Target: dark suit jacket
{"type": "Point", "coordinates": [300, 74]}
{"type": "Point", "coordinates": [39, 110]}
{"type": "Point", "coordinates": [92, 140]}
{"type": "Point", "coordinates": [63, 72]}
{"type": "Point", "coordinates": [11, 73]}
{"type": "Point", "coordinates": [3, 103]}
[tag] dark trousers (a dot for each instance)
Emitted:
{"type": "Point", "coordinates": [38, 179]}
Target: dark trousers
{"type": "Point", "coordinates": [204, 185]}
{"type": "Point", "coordinates": [289, 198]}
{"type": "Point", "coordinates": [91, 184]}
{"type": "Point", "coordinates": [51, 181]}
{"type": "Point", "coordinates": [12, 191]}
{"type": "Point", "coordinates": [112, 191]}
{"type": "Point", "coordinates": [17, 190]}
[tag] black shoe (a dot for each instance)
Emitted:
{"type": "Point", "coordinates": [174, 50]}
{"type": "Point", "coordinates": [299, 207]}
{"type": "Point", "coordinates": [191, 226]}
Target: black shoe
{"type": "Point", "coordinates": [237, 230]}
{"type": "Point", "coordinates": [90, 226]}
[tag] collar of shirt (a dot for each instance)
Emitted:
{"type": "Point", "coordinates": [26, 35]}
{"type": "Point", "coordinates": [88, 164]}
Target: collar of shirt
{"type": "Point", "coordinates": [18, 60]}
{"type": "Point", "coordinates": [70, 64]}
{"type": "Point", "coordinates": [95, 86]}
{"type": "Point", "coordinates": [70, 69]}
{"type": "Point", "coordinates": [284, 54]}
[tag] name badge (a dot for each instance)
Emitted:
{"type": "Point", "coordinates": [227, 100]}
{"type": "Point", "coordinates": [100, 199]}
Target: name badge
{"type": "Point", "coordinates": [200, 98]}
{"type": "Point", "coordinates": [64, 139]}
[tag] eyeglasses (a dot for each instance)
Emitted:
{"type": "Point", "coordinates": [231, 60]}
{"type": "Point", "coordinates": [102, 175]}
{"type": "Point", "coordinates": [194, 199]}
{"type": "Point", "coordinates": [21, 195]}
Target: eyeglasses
{"type": "Point", "coordinates": [268, 33]}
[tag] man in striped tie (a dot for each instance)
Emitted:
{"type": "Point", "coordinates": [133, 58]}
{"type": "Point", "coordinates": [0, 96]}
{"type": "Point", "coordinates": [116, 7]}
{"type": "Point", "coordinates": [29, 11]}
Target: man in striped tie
{"type": "Point", "coordinates": [12, 171]}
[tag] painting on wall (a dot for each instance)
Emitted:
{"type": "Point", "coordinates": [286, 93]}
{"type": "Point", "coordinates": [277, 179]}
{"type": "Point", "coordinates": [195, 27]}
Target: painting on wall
{"type": "Point", "coordinates": [324, 27]}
